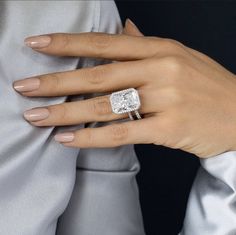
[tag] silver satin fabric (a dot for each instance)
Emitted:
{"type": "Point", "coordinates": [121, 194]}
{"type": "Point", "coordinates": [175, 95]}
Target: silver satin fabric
{"type": "Point", "coordinates": [44, 190]}
{"type": "Point", "coordinates": [212, 203]}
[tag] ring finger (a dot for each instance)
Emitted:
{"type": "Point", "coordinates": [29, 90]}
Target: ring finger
{"type": "Point", "coordinates": [89, 110]}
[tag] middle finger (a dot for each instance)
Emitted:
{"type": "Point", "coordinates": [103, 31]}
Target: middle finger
{"type": "Point", "coordinates": [100, 78]}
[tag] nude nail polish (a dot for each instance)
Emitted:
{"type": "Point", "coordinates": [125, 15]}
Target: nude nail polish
{"type": "Point", "coordinates": [29, 84]}
{"type": "Point", "coordinates": [37, 42]}
{"type": "Point", "coordinates": [36, 114]}
{"type": "Point", "coordinates": [64, 137]}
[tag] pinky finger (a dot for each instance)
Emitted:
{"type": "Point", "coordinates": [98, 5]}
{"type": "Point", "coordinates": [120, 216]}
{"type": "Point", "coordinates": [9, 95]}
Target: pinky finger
{"type": "Point", "coordinates": [131, 132]}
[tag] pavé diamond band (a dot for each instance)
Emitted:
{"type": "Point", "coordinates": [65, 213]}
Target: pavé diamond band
{"type": "Point", "coordinates": [126, 101]}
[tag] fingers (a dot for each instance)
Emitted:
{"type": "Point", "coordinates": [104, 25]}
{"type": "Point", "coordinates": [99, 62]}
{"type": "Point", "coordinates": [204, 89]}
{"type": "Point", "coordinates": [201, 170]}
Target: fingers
{"type": "Point", "coordinates": [71, 113]}
{"type": "Point", "coordinates": [100, 45]}
{"type": "Point", "coordinates": [131, 29]}
{"type": "Point", "coordinates": [126, 46]}
{"type": "Point", "coordinates": [100, 78]}
{"type": "Point", "coordinates": [132, 132]}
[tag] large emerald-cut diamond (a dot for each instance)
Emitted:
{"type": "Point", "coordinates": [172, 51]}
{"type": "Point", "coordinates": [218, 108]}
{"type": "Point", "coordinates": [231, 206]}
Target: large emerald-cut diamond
{"type": "Point", "coordinates": [125, 101]}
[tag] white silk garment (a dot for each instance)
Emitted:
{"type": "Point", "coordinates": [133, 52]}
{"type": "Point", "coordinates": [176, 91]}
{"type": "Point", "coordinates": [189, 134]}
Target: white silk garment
{"type": "Point", "coordinates": [41, 181]}
{"type": "Point", "coordinates": [212, 203]}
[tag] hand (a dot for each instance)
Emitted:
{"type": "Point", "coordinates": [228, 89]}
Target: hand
{"type": "Point", "coordinates": [187, 100]}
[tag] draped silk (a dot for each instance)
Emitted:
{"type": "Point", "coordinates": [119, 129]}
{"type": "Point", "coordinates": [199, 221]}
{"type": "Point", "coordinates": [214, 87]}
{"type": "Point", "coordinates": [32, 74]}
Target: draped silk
{"type": "Point", "coordinates": [44, 188]}
{"type": "Point", "coordinates": [212, 202]}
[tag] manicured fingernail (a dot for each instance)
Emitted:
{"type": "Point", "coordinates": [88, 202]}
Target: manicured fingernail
{"type": "Point", "coordinates": [38, 42]}
{"type": "Point", "coordinates": [29, 84]}
{"type": "Point", "coordinates": [37, 114]}
{"type": "Point", "coordinates": [64, 137]}
{"type": "Point", "coordinates": [129, 21]}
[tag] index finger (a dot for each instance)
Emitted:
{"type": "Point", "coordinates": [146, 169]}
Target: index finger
{"type": "Point", "coordinates": [96, 45]}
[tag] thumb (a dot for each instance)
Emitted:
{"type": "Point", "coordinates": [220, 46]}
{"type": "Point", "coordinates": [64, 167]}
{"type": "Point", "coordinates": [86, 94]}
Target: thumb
{"type": "Point", "coordinates": [131, 29]}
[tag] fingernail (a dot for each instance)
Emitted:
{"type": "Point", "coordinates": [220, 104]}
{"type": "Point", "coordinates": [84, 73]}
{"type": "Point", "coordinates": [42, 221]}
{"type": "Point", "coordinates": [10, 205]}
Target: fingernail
{"type": "Point", "coordinates": [38, 42]}
{"type": "Point", "coordinates": [64, 137]}
{"type": "Point", "coordinates": [37, 114]}
{"type": "Point", "coordinates": [129, 21]}
{"type": "Point", "coordinates": [29, 84]}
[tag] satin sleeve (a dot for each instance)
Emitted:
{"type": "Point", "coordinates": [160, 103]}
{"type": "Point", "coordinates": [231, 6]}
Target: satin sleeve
{"type": "Point", "coordinates": [105, 199]}
{"type": "Point", "coordinates": [212, 203]}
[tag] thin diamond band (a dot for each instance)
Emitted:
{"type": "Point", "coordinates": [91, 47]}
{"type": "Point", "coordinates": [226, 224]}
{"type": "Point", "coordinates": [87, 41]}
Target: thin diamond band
{"type": "Point", "coordinates": [136, 113]}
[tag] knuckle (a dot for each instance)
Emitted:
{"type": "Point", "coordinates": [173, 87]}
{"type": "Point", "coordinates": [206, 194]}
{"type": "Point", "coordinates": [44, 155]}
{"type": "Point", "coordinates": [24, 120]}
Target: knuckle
{"type": "Point", "coordinates": [87, 136]}
{"type": "Point", "coordinates": [96, 74]}
{"type": "Point", "coordinates": [119, 132]}
{"type": "Point", "coordinates": [84, 138]}
{"type": "Point", "coordinates": [168, 125]}
{"type": "Point", "coordinates": [152, 40]}
{"type": "Point", "coordinates": [171, 98]}
{"type": "Point", "coordinates": [173, 63]}
{"type": "Point", "coordinates": [62, 112]}
{"type": "Point", "coordinates": [172, 44]}
{"type": "Point", "coordinates": [49, 83]}
{"type": "Point", "coordinates": [151, 67]}
{"type": "Point", "coordinates": [99, 42]}
{"type": "Point", "coordinates": [152, 64]}
{"type": "Point", "coordinates": [175, 95]}
{"type": "Point", "coordinates": [56, 82]}
{"type": "Point", "coordinates": [64, 40]}
{"type": "Point", "coordinates": [53, 82]}
{"type": "Point", "coordinates": [101, 106]}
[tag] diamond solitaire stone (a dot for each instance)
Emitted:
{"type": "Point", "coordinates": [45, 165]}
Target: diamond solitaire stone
{"type": "Point", "coordinates": [125, 101]}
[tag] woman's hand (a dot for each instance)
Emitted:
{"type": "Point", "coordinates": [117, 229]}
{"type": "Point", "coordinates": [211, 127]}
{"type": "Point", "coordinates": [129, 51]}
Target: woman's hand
{"type": "Point", "coordinates": [188, 101]}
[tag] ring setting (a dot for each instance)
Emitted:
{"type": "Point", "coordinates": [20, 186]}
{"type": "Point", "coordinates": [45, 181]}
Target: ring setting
{"type": "Point", "coordinates": [126, 101]}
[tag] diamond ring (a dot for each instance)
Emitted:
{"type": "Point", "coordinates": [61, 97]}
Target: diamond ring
{"type": "Point", "coordinates": [126, 101]}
